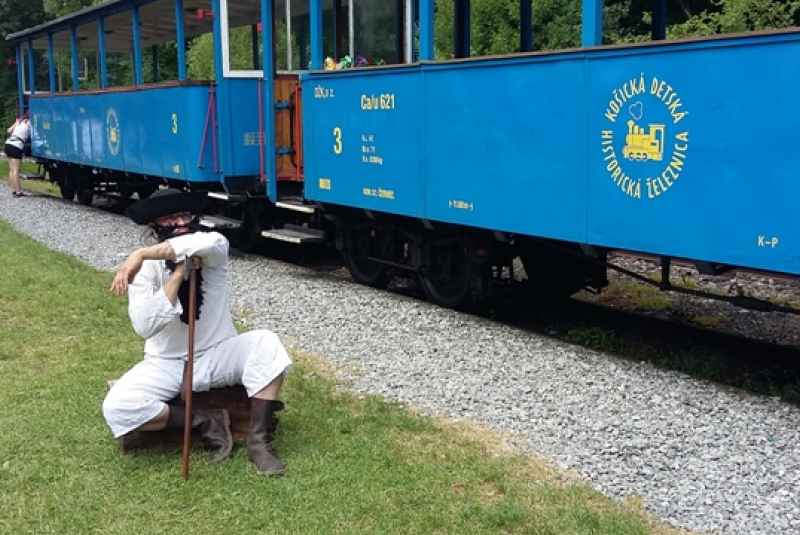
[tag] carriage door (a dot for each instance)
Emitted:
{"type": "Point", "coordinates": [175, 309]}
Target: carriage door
{"type": "Point", "coordinates": [264, 121]}
{"type": "Point", "coordinates": [290, 57]}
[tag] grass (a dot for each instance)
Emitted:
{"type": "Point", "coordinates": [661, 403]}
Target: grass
{"type": "Point", "coordinates": [637, 296]}
{"type": "Point", "coordinates": [43, 186]}
{"type": "Point", "coordinates": [710, 321]}
{"type": "Point", "coordinates": [354, 464]}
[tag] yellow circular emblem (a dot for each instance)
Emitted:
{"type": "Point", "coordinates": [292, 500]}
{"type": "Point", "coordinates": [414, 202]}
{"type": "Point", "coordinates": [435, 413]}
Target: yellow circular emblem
{"type": "Point", "coordinates": [645, 139]}
{"type": "Point", "coordinates": [112, 131]}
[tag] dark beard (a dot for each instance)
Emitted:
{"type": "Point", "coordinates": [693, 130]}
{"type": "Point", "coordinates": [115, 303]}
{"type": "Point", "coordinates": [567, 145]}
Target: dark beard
{"type": "Point", "coordinates": [183, 292]}
{"type": "Point", "coordinates": [167, 232]}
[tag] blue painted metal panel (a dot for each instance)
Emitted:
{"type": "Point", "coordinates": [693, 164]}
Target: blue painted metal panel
{"type": "Point", "coordinates": [94, 130]}
{"type": "Point", "coordinates": [83, 130]}
{"type": "Point", "coordinates": [133, 121]}
{"type": "Point", "coordinates": [244, 127]}
{"type": "Point", "coordinates": [154, 131]}
{"type": "Point", "coordinates": [183, 124]}
{"type": "Point", "coordinates": [108, 109]}
{"type": "Point", "coordinates": [489, 129]}
{"type": "Point", "coordinates": [150, 129]}
{"type": "Point", "coordinates": [48, 135]}
{"type": "Point", "coordinates": [693, 151]}
{"type": "Point", "coordinates": [505, 145]}
{"type": "Point", "coordinates": [364, 140]}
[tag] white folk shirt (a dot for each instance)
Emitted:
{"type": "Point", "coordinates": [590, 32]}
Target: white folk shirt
{"type": "Point", "coordinates": [20, 134]}
{"type": "Point", "coordinates": [158, 321]}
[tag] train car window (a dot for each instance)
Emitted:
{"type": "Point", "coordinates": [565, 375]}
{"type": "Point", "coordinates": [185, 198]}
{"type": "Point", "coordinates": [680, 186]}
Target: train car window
{"type": "Point", "coordinates": [241, 38]}
{"type": "Point", "coordinates": [292, 40]}
{"type": "Point", "coordinates": [361, 33]}
{"type": "Point", "coordinates": [378, 31]}
{"type": "Point", "coordinates": [25, 63]}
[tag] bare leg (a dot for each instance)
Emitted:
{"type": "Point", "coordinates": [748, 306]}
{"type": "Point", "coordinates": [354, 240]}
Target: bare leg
{"type": "Point", "coordinates": [158, 423]}
{"type": "Point", "coordinates": [13, 174]}
{"type": "Point", "coordinates": [271, 391]}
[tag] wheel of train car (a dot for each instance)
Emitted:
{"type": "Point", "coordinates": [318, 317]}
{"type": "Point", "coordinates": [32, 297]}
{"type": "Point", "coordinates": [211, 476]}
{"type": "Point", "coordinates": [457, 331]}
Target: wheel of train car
{"type": "Point", "coordinates": [446, 278]}
{"type": "Point", "coordinates": [146, 190]}
{"type": "Point", "coordinates": [125, 191]}
{"type": "Point", "coordinates": [365, 271]}
{"type": "Point", "coordinates": [553, 272]}
{"type": "Point", "coordinates": [86, 196]}
{"type": "Point", "coordinates": [67, 187]}
{"type": "Point", "coordinates": [356, 258]}
{"type": "Point", "coordinates": [247, 237]}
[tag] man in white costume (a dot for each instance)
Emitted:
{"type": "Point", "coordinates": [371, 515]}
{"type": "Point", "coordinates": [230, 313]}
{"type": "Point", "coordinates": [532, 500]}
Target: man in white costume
{"type": "Point", "coordinates": [158, 293]}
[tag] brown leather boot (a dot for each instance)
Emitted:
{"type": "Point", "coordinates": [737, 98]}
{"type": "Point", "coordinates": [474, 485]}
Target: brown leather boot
{"type": "Point", "coordinates": [261, 438]}
{"type": "Point", "coordinates": [214, 425]}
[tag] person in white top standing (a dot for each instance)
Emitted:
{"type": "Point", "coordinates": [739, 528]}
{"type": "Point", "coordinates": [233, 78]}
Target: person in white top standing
{"type": "Point", "coordinates": [153, 278]}
{"type": "Point", "coordinates": [19, 132]}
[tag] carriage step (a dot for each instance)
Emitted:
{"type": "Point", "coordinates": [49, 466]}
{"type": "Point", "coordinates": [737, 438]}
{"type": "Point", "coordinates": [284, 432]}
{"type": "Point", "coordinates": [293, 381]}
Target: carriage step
{"type": "Point", "coordinates": [296, 206]}
{"type": "Point", "coordinates": [295, 234]}
{"type": "Point", "coordinates": [227, 197]}
{"type": "Point", "coordinates": [219, 222]}
{"type": "Point", "coordinates": [31, 176]}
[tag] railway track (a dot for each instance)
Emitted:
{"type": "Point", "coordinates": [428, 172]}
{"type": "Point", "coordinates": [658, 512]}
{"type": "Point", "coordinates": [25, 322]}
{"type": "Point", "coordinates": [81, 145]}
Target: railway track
{"type": "Point", "coordinates": [741, 360]}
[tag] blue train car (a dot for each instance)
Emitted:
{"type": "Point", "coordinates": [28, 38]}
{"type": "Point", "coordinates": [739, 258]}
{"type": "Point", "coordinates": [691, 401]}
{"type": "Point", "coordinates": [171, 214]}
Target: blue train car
{"type": "Point", "coordinates": [443, 170]}
{"type": "Point", "coordinates": [98, 137]}
{"type": "Point", "coordinates": [672, 149]}
{"type": "Point", "coordinates": [106, 130]}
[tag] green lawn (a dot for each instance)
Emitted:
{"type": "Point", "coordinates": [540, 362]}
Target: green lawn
{"type": "Point", "coordinates": [41, 185]}
{"type": "Point", "coordinates": [353, 465]}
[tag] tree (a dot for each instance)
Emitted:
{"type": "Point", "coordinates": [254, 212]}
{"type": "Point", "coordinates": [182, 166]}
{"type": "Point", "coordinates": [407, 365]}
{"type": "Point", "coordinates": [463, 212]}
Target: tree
{"type": "Point", "coordinates": [15, 15]}
{"type": "Point", "coordinates": [728, 16]}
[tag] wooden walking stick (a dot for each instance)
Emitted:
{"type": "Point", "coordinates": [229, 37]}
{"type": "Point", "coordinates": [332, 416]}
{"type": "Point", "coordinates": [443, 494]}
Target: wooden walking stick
{"type": "Point", "coordinates": [191, 274]}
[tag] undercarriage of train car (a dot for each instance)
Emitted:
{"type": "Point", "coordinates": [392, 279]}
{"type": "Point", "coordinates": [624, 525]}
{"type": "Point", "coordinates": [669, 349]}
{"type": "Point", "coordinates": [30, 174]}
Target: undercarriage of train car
{"type": "Point", "coordinates": [457, 265]}
{"type": "Point", "coordinates": [82, 182]}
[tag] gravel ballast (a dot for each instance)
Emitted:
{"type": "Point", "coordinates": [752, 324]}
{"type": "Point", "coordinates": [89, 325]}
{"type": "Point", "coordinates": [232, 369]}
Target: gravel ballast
{"type": "Point", "coordinates": [701, 455]}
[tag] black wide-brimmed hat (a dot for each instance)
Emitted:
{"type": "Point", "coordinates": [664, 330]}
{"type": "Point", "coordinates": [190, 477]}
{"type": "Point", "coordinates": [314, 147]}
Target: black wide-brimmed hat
{"type": "Point", "coordinates": [166, 202]}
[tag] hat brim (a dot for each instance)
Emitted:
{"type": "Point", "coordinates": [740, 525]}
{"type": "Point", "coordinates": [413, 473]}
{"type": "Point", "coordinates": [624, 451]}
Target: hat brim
{"type": "Point", "coordinates": [148, 210]}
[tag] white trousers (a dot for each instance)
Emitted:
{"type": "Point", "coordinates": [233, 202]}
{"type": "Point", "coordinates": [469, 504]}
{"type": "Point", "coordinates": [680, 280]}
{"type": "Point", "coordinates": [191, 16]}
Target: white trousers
{"type": "Point", "coordinates": [253, 359]}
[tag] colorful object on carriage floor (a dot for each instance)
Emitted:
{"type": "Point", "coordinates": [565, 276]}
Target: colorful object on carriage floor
{"type": "Point", "coordinates": [347, 62]}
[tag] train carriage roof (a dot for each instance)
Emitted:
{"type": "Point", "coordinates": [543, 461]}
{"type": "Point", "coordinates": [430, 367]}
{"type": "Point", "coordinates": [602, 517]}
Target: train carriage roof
{"type": "Point", "coordinates": [157, 23]}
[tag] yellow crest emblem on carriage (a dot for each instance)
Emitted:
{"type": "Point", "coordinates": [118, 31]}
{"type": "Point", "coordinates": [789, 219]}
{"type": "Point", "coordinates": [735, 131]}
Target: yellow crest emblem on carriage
{"type": "Point", "coordinates": [112, 131]}
{"type": "Point", "coordinates": [651, 159]}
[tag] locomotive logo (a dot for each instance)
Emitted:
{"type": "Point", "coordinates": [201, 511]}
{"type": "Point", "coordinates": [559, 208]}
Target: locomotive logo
{"type": "Point", "coordinates": [646, 140]}
{"type": "Point", "coordinates": [112, 131]}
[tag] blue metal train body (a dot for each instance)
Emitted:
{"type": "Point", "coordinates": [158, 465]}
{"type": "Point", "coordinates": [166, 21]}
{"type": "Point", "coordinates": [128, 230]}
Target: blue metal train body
{"type": "Point", "coordinates": [157, 131]}
{"type": "Point", "coordinates": [680, 149]}
{"type": "Point", "coordinates": [449, 170]}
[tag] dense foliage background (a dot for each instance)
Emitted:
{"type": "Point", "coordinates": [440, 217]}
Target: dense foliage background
{"type": "Point", "coordinates": [494, 30]}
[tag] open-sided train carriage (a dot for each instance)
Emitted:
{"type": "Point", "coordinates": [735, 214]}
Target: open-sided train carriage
{"type": "Point", "coordinates": [234, 129]}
